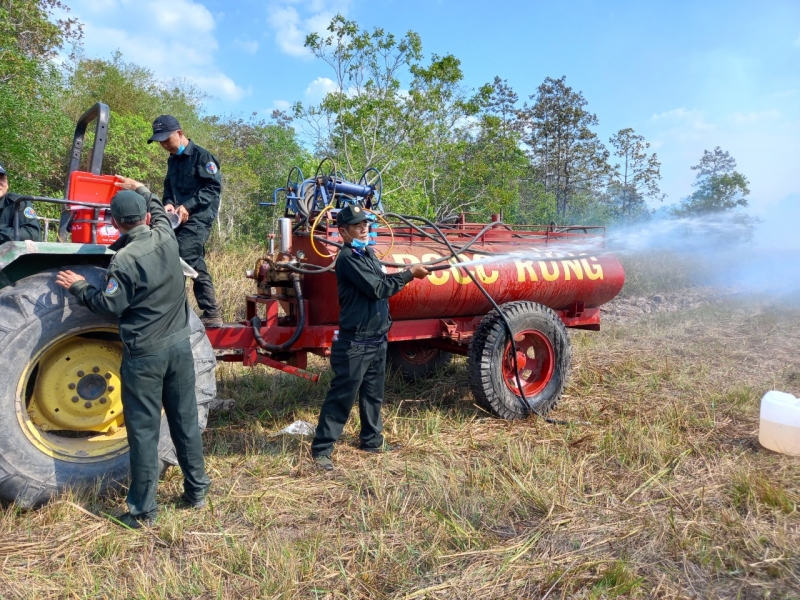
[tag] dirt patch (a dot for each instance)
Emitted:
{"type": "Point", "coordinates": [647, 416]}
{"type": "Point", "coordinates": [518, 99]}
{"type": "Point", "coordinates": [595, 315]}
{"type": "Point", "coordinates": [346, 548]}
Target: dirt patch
{"type": "Point", "coordinates": [626, 309]}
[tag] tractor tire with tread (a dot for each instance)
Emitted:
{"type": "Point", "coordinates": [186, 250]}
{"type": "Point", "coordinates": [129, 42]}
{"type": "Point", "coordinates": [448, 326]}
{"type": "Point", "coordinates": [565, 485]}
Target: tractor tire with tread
{"type": "Point", "coordinates": [491, 381]}
{"type": "Point", "coordinates": [36, 315]}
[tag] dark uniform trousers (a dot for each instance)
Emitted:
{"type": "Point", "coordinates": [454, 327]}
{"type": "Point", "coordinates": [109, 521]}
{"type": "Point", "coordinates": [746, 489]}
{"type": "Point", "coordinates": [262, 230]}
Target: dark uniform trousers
{"type": "Point", "coordinates": [192, 237]}
{"type": "Point", "coordinates": [359, 370]}
{"type": "Point", "coordinates": [164, 378]}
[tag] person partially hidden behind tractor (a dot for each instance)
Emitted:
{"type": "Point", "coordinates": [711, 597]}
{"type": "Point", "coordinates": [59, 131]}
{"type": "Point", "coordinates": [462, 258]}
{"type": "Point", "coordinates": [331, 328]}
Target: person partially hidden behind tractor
{"type": "Point", "coordinates": [358, 357]}
{"type": "Point", "coordinates": [28, 224]}
{"type": "Point", "coordinates": [145, 291]}
{"type": "Point", "coordinates": [192, 190]}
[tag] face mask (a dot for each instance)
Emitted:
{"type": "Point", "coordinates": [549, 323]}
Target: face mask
{"type": "Point", "coordinates": [358, 244]}
{"type": "Point", "coordinates": [181, 148]}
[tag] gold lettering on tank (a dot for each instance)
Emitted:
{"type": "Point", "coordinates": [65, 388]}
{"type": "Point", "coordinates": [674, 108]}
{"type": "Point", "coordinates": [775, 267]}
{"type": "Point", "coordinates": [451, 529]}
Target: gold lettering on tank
{"type": "Point", "coordinates": [548, 275]}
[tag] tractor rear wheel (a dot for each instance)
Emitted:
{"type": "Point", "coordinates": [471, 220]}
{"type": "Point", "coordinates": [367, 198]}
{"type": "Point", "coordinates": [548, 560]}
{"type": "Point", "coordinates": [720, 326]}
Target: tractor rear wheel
{"type": "Point", "coordinates": [416, 360]}
{"type": "Point", "coordinates": [544, 356]}
{"type": "Point", "coordinates": [61, 418]}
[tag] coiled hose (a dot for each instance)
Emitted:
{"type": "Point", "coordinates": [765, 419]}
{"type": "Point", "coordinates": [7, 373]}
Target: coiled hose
{"type": "Point", "coordinates": [301, 322]}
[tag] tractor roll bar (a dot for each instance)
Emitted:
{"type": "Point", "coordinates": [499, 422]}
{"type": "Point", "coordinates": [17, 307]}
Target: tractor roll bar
{"type": "Point", "coordinates": [22, 199]}
{"type": "Point", "coordinates": [100, 112]}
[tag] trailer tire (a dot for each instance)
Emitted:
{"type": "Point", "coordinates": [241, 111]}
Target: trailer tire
{"type": "Point", "coordinates": [41, 327]}
{"type": "Point", "coordinates": [544, 356]}
{"type": "Point", "coordinates": [416, 360]}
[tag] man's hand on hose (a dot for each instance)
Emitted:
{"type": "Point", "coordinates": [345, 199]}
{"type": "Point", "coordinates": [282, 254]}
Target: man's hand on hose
{"type": "Point", "coordinates": [419, 272]}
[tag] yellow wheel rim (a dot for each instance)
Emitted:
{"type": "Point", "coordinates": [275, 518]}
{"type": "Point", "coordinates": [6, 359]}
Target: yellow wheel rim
{"type": "Point", "coordinates": [69, 397]}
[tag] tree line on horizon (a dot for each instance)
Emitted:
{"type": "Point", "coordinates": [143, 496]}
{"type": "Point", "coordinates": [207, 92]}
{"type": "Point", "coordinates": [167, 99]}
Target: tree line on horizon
{"type": "Point", "coordinates": [441, 148]}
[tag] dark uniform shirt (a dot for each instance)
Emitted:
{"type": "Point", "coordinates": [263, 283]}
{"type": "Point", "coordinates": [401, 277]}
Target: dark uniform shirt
{"type": "Point", "coordinates": [145, 286]}
{"type": "Point", "coordinates": [364, 291]}
{"type": "Point", "coordinates": [193, 181]}
{"type": "Point", "coordinates": [29, 228]}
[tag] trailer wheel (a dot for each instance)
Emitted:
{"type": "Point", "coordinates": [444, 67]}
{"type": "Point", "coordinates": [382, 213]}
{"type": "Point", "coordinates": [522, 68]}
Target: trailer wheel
{"type": "Point", "coordinates": [61, 419]}
{"type": "Point", "coordinates": [415, 360]}
{"type": "Point", "coordinates": [544, 357]}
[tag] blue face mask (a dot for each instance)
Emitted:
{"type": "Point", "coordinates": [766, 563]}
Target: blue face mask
{"type": "Point", "coordinates": [181, 148]}
{"type": "Point", "coordinates": [359, 244]}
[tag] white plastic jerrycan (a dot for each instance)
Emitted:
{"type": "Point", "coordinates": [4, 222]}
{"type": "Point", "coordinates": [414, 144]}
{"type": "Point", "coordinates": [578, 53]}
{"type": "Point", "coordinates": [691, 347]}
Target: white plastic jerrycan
{"type": "Point", "coordinates": [779, 429]}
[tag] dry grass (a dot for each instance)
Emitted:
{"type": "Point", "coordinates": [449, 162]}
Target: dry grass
{"type": "Point", "coordinates": [659, 272]}
{"type": "Point", "coordinates": [666, 494]}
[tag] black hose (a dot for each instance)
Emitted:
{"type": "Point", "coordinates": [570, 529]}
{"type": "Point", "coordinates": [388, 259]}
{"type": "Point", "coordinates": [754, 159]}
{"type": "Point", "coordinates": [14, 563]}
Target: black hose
{"type": "Point", "coordinates": [407, 220]}
{"type": "Point", "coordinates": [453, 253]}
{"type": "Point", "coordinates": [304, 270]}
{"type": "Point", "coordinates": [301, 323]}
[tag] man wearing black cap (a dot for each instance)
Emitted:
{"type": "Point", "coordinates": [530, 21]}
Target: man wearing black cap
{"type": "Point", "coordinates": [358, 357]}
{"type": "Point", "coordinates": [28, 224]}
{"type": "Point", "coordinates": [145, 291]}
{"type": "Point", "coordinates": [191, 189]}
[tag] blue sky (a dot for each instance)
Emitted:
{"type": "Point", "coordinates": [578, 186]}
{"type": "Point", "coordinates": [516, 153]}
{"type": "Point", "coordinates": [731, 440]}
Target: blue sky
{"type": "Point", "coordinates": [687, 75]}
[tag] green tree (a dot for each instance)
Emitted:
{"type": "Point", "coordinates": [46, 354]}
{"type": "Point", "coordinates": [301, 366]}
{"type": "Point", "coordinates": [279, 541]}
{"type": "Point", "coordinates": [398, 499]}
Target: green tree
{"type": "Point", "coordinates": [361, 121]}
{"type": "Point", "coordinates": [569, 157]}
{"type": "Point", "coordinates": [135, 97]}
{"type": "Point", "coordinates": [31, 38]}
{"type": "Point", "coordinates": [255, 157]}
{"type": "Point", "coordinates": [719, 186]}
{"type": "Point", "coordinates": [633, 180]}
{"type": "Point", "coordinates": [419, 138]}
{"type": "Point", "coordinates": [494, 161]}
{"type": "Point", "coordinates": [34, 128]}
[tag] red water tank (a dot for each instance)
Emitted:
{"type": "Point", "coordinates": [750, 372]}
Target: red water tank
{"type": "Point", "coordinates": [97, 189]}
{"type": "Point", "coordinates": [554, 270]}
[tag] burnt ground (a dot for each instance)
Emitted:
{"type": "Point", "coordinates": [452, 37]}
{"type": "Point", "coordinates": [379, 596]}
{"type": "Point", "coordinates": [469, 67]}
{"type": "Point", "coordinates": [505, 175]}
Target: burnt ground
{"type": "Point", "coordinates": [624, 309]}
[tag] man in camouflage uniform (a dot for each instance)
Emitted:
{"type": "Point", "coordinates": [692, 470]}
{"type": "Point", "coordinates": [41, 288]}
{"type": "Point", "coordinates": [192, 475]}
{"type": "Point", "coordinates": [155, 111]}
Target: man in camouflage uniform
{"type": "Point", "coordinates": [145, 291]}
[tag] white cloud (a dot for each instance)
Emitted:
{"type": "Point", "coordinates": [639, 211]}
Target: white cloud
{"type": "Point", "coordinates": [753, 117]}
{"type": "Point", "coordinates": [249, 46]}
{"type": "Point", "coordinates": [318, 88]}
{"type": "Point", "coordinates": [693, 120]}
{"type": "Point", "coordinates": [221, 84]}
{"type": "Point", "coordinates": [293, 20]}
{"type": "Point", "coordinates": [282, 104]}
{"type": "Point", "coordinates": [763, 143]}
{"type": "Point", "coordinates": [174, 39]}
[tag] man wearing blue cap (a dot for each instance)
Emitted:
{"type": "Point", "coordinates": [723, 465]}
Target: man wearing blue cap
{"type": "Point", "coordinates": [145, 291]}
{"type": "Point", "coordinates": [192, 190]}
{"type": "Point", "coordinates": [29, 228]}
{"type": "Point", "coordinates": [358, 357]}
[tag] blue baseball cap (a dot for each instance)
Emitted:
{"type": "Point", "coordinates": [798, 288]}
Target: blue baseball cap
{"type": "Point", "coordinates": [163, 127]}
{"type": "Point", "coordinates": [2, 170]}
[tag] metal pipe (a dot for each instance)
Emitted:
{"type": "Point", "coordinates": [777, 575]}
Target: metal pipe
{"type": "Point", "coordinates": [285, 234]}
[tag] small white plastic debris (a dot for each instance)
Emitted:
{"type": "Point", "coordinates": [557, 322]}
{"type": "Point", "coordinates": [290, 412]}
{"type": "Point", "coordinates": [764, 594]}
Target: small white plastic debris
{"type": "Point", "coordinates": [297, 428]}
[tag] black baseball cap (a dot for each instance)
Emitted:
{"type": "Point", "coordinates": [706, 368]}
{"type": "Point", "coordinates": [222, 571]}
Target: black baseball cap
{"type": "Point", "coordinates": [350, 215]}
{"type": "Point", "coordinates": [128, 206]}
{"type": "Point", "coordinates": [163, 127]}
{"type": "Point", "coordinates": [2, 170]}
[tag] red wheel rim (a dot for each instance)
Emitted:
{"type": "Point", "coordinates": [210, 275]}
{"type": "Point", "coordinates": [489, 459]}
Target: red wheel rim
{"type": "Point", "coordinates": [418, 355]}
{"type": "Point", "coordinates": [536, 359]}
